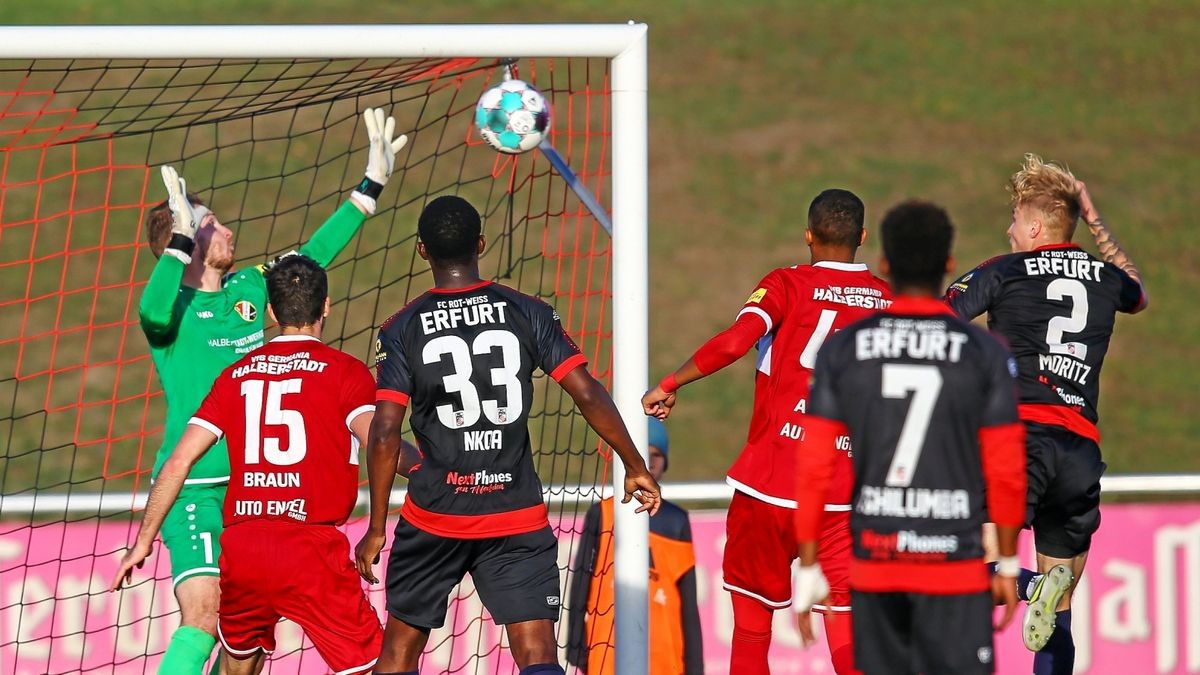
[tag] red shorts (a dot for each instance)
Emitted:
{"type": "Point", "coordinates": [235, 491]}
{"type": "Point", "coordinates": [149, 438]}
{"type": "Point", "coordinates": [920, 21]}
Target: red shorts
{"type": "Point", "coordinates": [833, 553]}
{"type": "Point", "coordinates": [303, 573]}
{"type": "Point", "coordinates": [760, 546]}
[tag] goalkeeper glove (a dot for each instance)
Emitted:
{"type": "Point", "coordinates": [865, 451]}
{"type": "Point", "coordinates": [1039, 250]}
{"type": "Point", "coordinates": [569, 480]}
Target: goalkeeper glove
{"type": "Point", "coordinates": [381, 157]}
{"type": "Point", "coordinates": [185, 216]}
{"type": "Point", "coordinates": [808, 587]}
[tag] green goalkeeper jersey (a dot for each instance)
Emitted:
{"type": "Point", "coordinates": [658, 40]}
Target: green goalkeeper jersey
{"type": "Point", "coordinates": [194, 334]}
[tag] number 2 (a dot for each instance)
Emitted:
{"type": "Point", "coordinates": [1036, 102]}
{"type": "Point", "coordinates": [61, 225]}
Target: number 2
{"type": "Point", "coordinates": [925, 383]}
{"type": "Point", "coordinates": [1074, 289]}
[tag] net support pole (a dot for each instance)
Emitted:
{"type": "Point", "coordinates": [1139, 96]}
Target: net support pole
{"type": "Point", "coordinates": [630, 341]}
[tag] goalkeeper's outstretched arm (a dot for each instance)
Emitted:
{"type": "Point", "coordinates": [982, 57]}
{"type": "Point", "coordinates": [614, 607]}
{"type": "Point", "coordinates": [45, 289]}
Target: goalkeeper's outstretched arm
{"type": "Point", "coordinates": [158, 310]}
{"type": "Point", "coordinates": [335, 233]}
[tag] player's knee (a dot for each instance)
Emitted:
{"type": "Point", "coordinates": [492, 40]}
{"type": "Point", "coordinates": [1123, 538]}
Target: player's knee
{"type": "Point", "coordinates": [399, 657]}
{"type": "Point", "coordinates": [198, 603]}
{"type": "Point", "coordinates": [749, 634]}
{"type": "Point", "coordinates": [203, 620]}
{"type": "Point", "coordinates": [245, 665]}
{"type": "Point", "coordinates": [534, 650]}
{"type": "Point", "coordinates": [402, 646]}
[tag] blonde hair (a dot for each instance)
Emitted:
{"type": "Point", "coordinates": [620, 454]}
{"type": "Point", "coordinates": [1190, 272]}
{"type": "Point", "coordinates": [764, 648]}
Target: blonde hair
{"type": "Point", "coordinates": [1049, 188]}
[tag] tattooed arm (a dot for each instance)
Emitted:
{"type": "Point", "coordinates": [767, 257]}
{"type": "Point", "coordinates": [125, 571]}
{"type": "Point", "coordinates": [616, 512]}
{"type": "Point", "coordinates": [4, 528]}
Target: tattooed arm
{"type": "Point", "coordinates": [1110, 251]}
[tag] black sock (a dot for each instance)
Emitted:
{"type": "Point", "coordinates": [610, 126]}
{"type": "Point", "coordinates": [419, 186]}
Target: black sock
{"type": "Point", "coordinates": [1024, 577]}
{"type": "Point", "coordinates": [1058, 656]}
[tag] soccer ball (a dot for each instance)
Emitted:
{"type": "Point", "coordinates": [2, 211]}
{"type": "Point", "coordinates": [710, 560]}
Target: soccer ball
{"type": "Point", "coordinates": [512, 117]}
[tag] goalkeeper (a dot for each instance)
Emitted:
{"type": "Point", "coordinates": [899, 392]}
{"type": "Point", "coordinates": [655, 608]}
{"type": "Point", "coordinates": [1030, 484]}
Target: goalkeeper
{"type": "Point", "coordinates": [199, 319]}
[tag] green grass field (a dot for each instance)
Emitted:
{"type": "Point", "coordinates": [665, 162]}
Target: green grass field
{"type": "Point", "coordinates": [757, 106]}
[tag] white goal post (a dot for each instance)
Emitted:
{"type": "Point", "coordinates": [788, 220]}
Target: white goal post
{"type": "Point", "coordinates": [624, 44]}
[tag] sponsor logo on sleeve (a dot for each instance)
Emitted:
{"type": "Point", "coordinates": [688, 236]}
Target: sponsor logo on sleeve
{"type": "Point", "coordinates": [756, 296]}
{"type": "Point", "coordinates": [961, 284]}
{"type": "Point", "coordinates": [380, 355]}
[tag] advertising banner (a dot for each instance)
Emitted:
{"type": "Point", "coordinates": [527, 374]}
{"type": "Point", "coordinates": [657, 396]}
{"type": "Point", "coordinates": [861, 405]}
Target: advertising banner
{"type": "Point", "coordinates": [1137, 610]}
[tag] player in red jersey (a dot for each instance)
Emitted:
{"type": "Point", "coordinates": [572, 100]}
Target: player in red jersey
{"type": "Point", "coordinates": [930, 401]}
{"type": "Point", "coordinates": [789, 314]}
{"type": "Point", "coordinates": [295, 412]}
{"type": "Point", "coordinates": [461, 357]}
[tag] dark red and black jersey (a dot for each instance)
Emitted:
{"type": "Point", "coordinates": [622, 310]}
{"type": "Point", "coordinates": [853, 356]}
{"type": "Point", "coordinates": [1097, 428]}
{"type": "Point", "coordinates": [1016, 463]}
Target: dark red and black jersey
{"type": "Point", "coordinates": [1056, 306]}
{"type": "Point", "coordinates": [462, 361]}
{"type": "Point", "coordinates": [918, 389]}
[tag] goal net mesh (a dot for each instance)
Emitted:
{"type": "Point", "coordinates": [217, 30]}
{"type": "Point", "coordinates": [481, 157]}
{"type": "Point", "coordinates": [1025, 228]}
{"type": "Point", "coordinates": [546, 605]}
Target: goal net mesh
{"type": "Point", "coordinates": [274, 146]}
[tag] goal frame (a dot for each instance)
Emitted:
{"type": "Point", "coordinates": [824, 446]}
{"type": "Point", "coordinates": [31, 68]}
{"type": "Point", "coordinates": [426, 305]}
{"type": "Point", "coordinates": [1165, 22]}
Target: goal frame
{"type": "Point", "coordinates": [624, 44]}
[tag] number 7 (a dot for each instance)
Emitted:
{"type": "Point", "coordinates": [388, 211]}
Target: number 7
{"type": "Point", "coordinates": [926, 383]}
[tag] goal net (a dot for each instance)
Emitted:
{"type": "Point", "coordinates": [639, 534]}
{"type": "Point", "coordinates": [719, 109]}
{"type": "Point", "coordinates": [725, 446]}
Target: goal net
{"type": "Point", "coordinates": [273, 145]}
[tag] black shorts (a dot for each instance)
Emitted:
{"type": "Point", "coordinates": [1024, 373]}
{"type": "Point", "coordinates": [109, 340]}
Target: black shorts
{"type": "Point", "coordinates": [516, 576]}
{"type": "Point", "coordinates": [898, 633]}
{"type": "Point", "coordinates": [1063, 501]}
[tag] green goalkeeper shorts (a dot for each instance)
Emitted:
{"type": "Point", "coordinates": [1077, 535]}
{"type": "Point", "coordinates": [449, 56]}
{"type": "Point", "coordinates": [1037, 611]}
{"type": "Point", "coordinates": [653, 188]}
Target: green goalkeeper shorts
{"type": "Point", "coordinates": [192, 531]}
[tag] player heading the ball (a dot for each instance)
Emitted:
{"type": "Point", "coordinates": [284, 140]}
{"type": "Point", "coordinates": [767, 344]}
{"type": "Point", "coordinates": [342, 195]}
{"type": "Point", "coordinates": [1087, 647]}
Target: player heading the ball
{"type": "Point", "coordinates": [1056, 305]}
{"type": "Point", "coordinates": [462, 357]}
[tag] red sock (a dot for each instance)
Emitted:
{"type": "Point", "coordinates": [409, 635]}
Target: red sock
{"type": "Point", "coordinates": [751, 636]}
{"type": "Point", "coordinates": [840, 636]}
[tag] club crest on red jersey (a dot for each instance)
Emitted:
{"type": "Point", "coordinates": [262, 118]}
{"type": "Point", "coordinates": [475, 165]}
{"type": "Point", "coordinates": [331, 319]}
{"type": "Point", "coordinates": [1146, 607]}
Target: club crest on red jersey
{"type": "Point", "coordinates": [246, 310]}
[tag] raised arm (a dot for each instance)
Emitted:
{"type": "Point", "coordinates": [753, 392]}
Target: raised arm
{"type": "Point", "coordinates": [158, 311]}
{"type": "Point", "coordinates": [196, 440]}
{"type": "Point", "coordinates": [598, 409]}
{"type": "Point", "coordinates": [1110, 251]}
{"type": "Point", "coordinates": [335, 233]}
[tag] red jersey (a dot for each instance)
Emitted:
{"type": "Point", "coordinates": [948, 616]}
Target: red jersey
{"type": "Point", "coordinates": [286, 409]}
{"type": "Point", "coordinates": [800, 306]}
